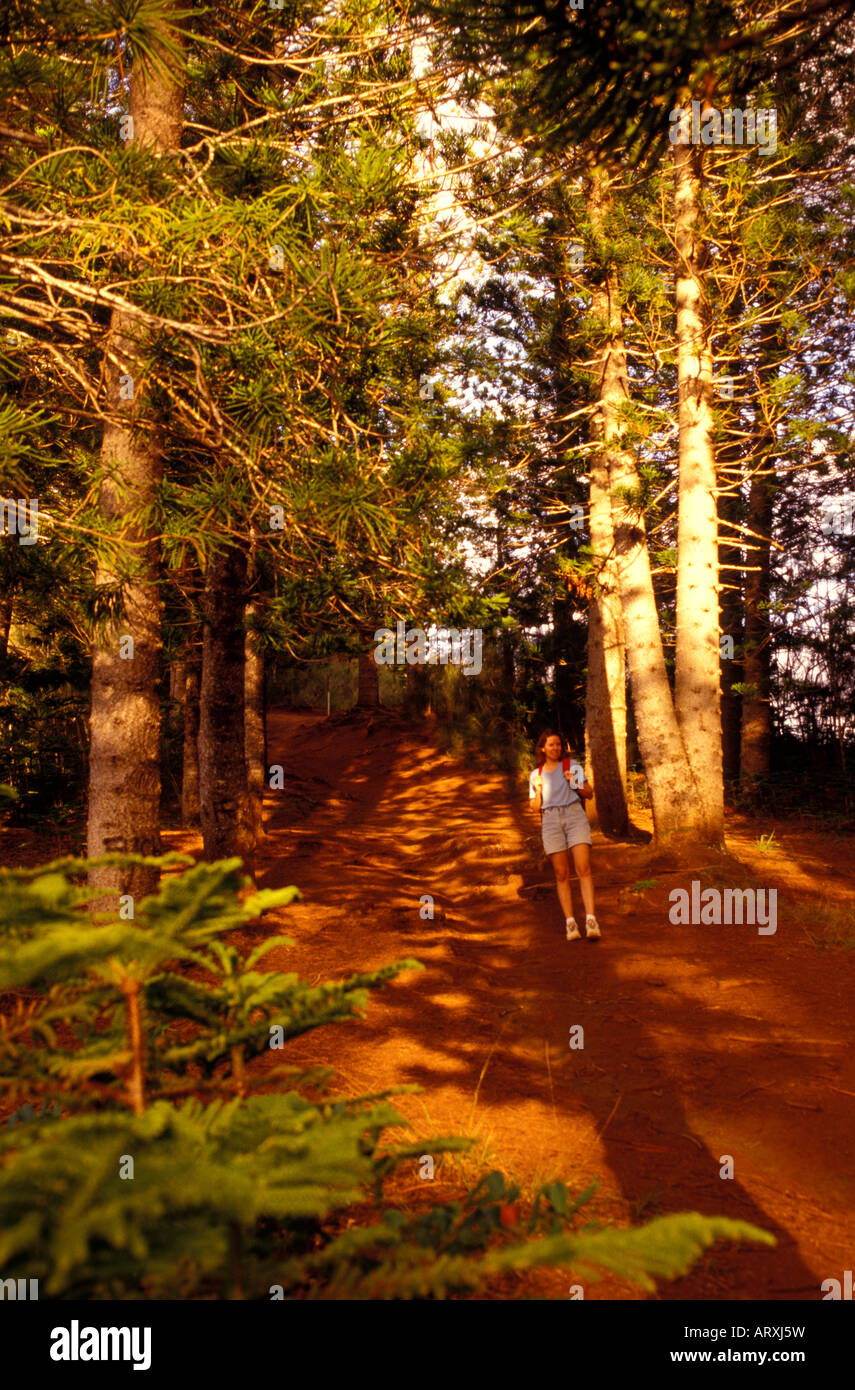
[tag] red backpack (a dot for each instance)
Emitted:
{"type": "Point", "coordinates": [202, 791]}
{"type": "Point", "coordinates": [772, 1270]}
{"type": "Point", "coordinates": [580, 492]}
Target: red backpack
{"type": "Point", "coordinates": [565, 764]}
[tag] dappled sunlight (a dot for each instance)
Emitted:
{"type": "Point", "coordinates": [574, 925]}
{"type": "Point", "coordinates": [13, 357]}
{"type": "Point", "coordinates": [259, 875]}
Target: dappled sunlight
{"type": "Point", "coordinates": [695, 1040]}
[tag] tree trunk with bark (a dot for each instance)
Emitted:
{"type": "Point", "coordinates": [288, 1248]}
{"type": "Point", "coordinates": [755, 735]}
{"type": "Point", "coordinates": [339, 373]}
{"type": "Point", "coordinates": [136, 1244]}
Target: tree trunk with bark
{"type": "Point", "coordinates": [756, 732]}
{"type": "Point", "coordinates": [669, 778]}
{"type": "Point", "coordinates": [756, 710]}
{"type": "Point", "coordinates": [254, 696]}
{"type": "Point", "coordinates": [730, 619]}
{"type": "Point", "coordinates": [176, 697]}
{"type": "Point", "coordinates": [730, 468]}
{"type": "Point", "coordinates": [605, 696]}
{"type": "Point", "coordinates": [190, 807]}
{"type": "Point", "coordinates": [225, 810]}
{"type": "Point", "coordinates": [124, 777]}
{"type": "Point", "coordinates": [697, 686]}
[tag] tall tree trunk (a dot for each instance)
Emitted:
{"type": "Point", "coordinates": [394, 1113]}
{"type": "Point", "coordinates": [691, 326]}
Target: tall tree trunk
{"type": "Point", "coordinates": [173, 730]}
{"type": "Point", "coordinates": [190, 808]}
{"type": "Point", "coordinates": [756, 709]}
{"type": "Point", "coordinates": [564, 650]}
{"type": "Point", "coordinates": [225, 810]}
{"type": "Point", "coordinates": [730, 617]}
{"type": "Point", "coordinates": [697, 686]}
{"type": "Point", "coordinates": [254, 695]}
{"type": "Point", "coordinates": [177, 676]}
{"type": "Point", "coordinates": [756, 714]}
{"type": "Point", "coordinates": [605, 711]}
{"type": "Point", "coordinates": [254, 735]}
{"type": "Point", "coordinates": [730, 468]}
{"type": "Point", "coordinates": [605, 696]}
{"type": "Point", "coordinates": [176, 681]}
{"type": "Point", "coordinates": [124, 775]}
{"type": "Point", "coordinates": [669, 778]}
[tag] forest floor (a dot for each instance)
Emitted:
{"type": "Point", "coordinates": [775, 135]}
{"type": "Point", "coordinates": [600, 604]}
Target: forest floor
{"type": "Point", "coordinates": [700, 1042]}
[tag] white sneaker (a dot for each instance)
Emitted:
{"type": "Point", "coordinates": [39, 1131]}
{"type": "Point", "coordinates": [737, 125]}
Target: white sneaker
{"type": "Point", "coordinates": [573, 932]}
{"type": "Point", "coordinates": [592, 928]}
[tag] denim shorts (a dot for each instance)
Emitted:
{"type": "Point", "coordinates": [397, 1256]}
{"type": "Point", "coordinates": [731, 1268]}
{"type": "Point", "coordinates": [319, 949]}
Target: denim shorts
{"type": "Point", "coordinates": [564, 826]}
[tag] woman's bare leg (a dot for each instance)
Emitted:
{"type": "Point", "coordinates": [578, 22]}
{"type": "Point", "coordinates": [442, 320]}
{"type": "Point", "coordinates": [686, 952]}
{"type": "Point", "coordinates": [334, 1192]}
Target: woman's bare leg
{"type": "Point", "coordinates": [582, 865]}
{"type": "Point", "coordinates": [561, 865]}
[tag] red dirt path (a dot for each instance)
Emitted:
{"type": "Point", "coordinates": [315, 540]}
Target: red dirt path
{"type": "Point", "coordinates": [700, 1042]}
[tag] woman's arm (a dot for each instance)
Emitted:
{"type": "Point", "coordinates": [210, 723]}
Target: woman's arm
{"type": "Point", "coordinates": [536, 800]}
{"type": "Point", "coordinates": [586, 789]}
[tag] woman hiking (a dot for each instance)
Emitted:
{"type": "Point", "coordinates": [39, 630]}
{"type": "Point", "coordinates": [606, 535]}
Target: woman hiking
{"type": "Point", "coordinates": [557, 787]}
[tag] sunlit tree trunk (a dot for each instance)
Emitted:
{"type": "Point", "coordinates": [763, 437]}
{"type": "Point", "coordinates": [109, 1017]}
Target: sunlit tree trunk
{"type": "Point", "coordinates": [669, 778]}
{"type": "Point", "coordinates": [605, 691]}
{"type": "Point", "coordinates": [697, 685]}
{"type": "Point", "coordinates": [605, 696]}
{"type": "Point", "coordinates": [124, 766]}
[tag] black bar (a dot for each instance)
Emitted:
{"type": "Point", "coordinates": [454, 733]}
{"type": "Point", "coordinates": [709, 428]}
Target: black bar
{"type": "Point", "coordinates": [301, 1340]}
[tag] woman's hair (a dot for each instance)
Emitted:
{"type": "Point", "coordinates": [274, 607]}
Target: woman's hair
{"type": "Point", "coordinates": [550, 733]}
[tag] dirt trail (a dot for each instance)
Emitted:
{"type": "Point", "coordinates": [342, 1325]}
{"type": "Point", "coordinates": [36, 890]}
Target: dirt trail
{"type": "Point", "coordinates": [699, 1042]}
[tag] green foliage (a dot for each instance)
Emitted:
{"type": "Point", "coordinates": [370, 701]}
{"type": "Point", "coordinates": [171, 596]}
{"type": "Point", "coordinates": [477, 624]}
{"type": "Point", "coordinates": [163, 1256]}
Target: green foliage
{"type": "Point", "coordinates": [205, 1023]}
{"type": "Point", "coordinates": [197, 1170]}
{"type": "Point", "coordinates": [459, 1246]}
{"type": "Point", "coordinates": [601, 72]}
